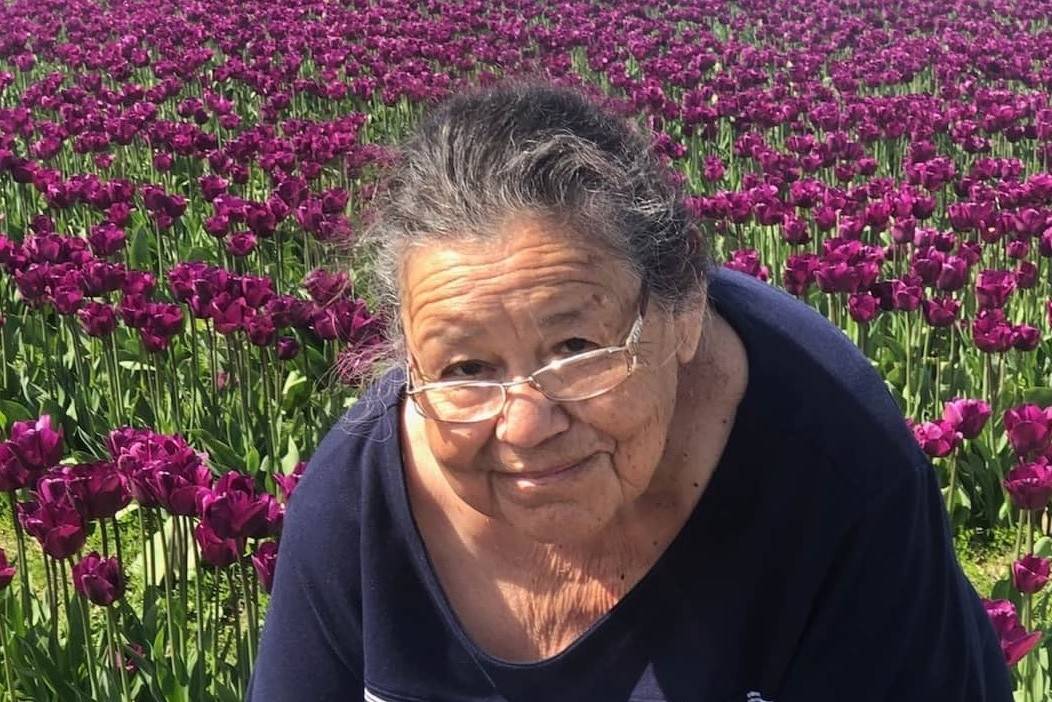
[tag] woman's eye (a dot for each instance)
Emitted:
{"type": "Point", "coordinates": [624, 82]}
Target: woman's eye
{"type": "Point", "coordinates": [464, 370]}
{"type": "Point", "coordinates": [576, 345]}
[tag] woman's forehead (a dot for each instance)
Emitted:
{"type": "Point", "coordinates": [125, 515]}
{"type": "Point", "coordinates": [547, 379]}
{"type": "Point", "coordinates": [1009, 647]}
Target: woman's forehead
{"type": "Point", "coordinates": [532, 267]}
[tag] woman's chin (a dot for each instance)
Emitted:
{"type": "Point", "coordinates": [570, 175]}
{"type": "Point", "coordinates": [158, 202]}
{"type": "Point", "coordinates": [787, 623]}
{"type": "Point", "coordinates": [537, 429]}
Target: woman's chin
{"type": "Point", "coordinates": [562, 523]}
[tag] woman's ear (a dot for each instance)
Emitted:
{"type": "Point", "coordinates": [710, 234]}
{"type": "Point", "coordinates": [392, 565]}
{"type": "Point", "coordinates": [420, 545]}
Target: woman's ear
{"type": "Point", "coordinates": [688, 326]}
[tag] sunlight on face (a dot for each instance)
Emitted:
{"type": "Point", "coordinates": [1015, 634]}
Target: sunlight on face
{"type": "Point", "coordinates": [499, 311]}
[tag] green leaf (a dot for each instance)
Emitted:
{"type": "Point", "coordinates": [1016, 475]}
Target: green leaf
{"type": "Point", "coordinates": [138, 567]}
{"type": "Point", "coordinates": [139, 248]}
{"type": "Point", "coordinates": [252, 461]}
{"type": "Point", "coordinates": [296, 391]}
{"type": "Point", "coordinates": [291, 457]}
{"type": "Point", "coordinates": [199, 253]}
{"type": "Point", "coordinates": [135, 366]}
{"type": "Point", "coordinates": [1043, 547]}
{"type": "Point", "coordinates": [1038, 396]}
{"type": "Point", "coordinates": [14, 412]}
{"type": "Point", "coordinates": [220, 452]}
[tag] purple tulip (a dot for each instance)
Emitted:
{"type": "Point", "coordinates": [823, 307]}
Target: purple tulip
{"type": "Point", "coordinates": [288, 311]}
{"type": "Point", "coordinates": [241, 244]}
{"type": "Point", "coordinates": [257, 290]}
{"type": "Point", "coordinates": [713, 169]}
{"type": "Point", "coordinates": [799, 273]}
{"type": "Point", "coordinates": [232, 510]}
{"type": "Point", "coordinates": [57, 525]}
{"type": "Point", "coordinates": [98, 579]}
{"type": "Point", "coordinates": [967, 416]}
{"type": "Point", "coordinates": [97, 318]}
{"type": "Point", "coordinates": [215, 550]}
{"type": "Point", "coordinates": [940, 312]}
{"type": "Point", "coordinates": [288, 483]}
{"type": "Point", "coordinates": [1017, 249]}
{"type": "Point", "coordinates": [863, 307]}
{"type": "Point", "coordinates": [794, 230]}
{"type": "Point", "coordinates": [287, 348]}
{"type": "Point", "coordinates": [67, 298]}
{"type": "Point", "coordinates": [1015, 641]}
{"type": "Point", "coordinates": [937, 439]}
{"type": "Point", "coordinates": [160, 470]}
{"type": "Point", "coordinates": [1029, 428]}
{"type": "Point", "coordinates": [1025, 337]}
{"type": "Point", "coordinates": [98, 489]}
{"type": "Point", "coordinates": [990, 331]}
{"type": "Point", "coordinates": [212, 186]}
{"type": "Point", "coordinates": [1030, 485]}
{"type": "Point", "coordinates": [1025, 275]}
{"type": "Point", "coordinates": [138, 283]}
{"type": "Point", "coordinates": [106, 239]}
{"type": "Point", "coordinates": [324, 287]}
{"type": "Point", "coordinates": [36, 445]}
{"type": "Point", "coordinates": [14, 475]}
{"type": "Point", "coordinates": [993, 288]}
{"type": "Point", "coordinates": [229, 313]}
{"type": "Point", "coordinates": [1030, 573]}
{"type": "Point", "coordinates": [746, 261]}
{"type": "Point", "coordinates": [260, 330]}
{"type": "Point", "coordinates": [953, 274]}
{"type": "Point", "coordinates": [102, 277]}
{"type": "Point", "coordinates": [7, 571]}
{"type": "Point", "coordinates": [217, 225]}
{"type": "Point", "coordinates": [264, 560]}
{"type": "Point", "coordinates": [906, 294]}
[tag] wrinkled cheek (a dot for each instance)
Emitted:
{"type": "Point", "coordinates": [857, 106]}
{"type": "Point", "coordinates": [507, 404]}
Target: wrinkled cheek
{"type": "Point", "coordinates": [637, 456]}
{"type": "Point", "coordinates": [459, 452]}
{"type": "Point", "coordinates": [458, 446]}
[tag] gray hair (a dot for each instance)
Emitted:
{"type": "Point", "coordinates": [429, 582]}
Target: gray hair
{"type": "Point", "coordinates": [535, 149]}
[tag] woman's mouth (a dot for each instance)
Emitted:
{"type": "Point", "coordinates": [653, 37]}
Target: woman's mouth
{"type": "Point", "coordinates": [527, 479]}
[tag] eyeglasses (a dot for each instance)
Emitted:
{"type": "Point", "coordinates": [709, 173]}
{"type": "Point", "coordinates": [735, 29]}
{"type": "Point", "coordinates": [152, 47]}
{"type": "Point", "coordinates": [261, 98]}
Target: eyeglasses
{"type": "Point", "coordinates": [571, 379]}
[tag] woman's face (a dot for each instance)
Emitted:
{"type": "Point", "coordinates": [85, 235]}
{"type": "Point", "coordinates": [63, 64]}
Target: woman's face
{"type": "Point", "coordinates": [557, 472]}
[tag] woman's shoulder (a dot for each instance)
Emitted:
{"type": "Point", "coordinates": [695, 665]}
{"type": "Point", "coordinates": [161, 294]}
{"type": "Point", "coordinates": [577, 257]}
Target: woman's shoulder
{"type": "Point", "coordinates": [353, 454]}
{"type": "Point", "coordinates": [814, 387]}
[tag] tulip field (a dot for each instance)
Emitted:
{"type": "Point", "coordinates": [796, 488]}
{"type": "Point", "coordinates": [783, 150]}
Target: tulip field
{"type": "Point", "coordinates": [184, 310]}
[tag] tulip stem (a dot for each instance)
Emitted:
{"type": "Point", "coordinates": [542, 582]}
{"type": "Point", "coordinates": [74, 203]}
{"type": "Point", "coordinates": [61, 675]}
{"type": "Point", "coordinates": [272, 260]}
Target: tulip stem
{"type": "Point", "coordinates": [117, 539]}
{"type": "Point", "coordinates": [953, 488]}
{"type": "Point", "coordinates": [924, 367]}
{"type": "Point", "coordinates": [116, 400]}
{"type": "Point", "coordinates": [23, 566]}
{"type": "Point", "coordinates": [242, 673]}
{"type": "Point", "coordinates": [168, 591]}
{"type": "Point", "coordinates": [198, 607]}
{"type": "Point", "coordinates": [118, 662]}
{"type": "Point", "coordinates": [250, 611]}
{"type": "Point", "coordinates": [85, 625]}
{"type": "Point", "coordinates": [173, 371]}
{"type": "Point", "coordinates": [7, 659]}
{"type": "Point", "coordinates": [215, 627]}
{"type": "Point", "coordinates": [195, 373]}
{"type": "Point", "coordinates": [52, 596]}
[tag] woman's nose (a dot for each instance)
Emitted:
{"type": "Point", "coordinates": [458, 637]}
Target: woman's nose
{"type": "Point", "coordinates": [529, 418]}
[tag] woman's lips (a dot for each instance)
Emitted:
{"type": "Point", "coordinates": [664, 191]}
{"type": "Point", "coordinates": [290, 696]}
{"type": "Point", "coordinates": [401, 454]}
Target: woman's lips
{"type": "Point", "coordinates": [548, 474]}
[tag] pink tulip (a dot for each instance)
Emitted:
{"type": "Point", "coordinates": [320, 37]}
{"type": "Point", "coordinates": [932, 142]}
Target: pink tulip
{"type": "Point", "coordinates": [966, 416]}
{"type": "Point", "coordinates": [1029, 428]}
{"type": "Point", "coordinates": [1030, 485]}
{"type": "Point", "coordinates": [1016, 642]}
{"type": "Point", "coordinates": [1030, 573]}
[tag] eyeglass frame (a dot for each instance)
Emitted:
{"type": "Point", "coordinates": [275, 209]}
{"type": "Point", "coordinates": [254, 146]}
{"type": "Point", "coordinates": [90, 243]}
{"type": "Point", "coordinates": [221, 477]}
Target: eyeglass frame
{"type": "Point", "coordinates": [631, 345]}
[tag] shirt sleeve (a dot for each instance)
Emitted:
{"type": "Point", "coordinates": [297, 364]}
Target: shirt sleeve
{"type": "Point", "coordinates": [897, 620]}
{"type": "Point", "coordinates": [312, 627]}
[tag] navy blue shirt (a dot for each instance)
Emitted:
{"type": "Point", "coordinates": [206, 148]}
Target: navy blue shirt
{"type": "Point", "coordinates": [817, 565]}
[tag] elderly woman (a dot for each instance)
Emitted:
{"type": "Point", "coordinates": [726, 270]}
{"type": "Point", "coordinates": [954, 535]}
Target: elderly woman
{"type": "Point", "coordinates": [606, 469]}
